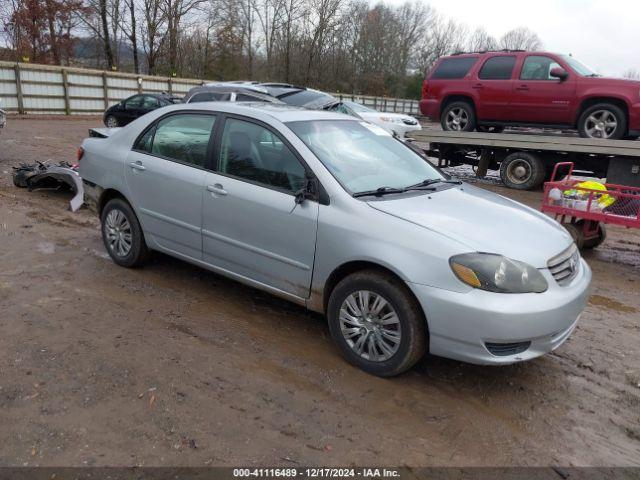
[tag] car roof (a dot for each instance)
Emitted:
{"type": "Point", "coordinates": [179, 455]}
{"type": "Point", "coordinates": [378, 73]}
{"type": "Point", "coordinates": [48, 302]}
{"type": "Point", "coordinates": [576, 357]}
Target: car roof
{"type": "Point", "coordinates": [497, 52]}
{"type": "Point", "coordinates": [258, 110]}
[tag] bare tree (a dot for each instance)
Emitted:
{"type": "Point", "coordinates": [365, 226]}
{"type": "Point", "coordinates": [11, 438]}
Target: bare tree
{"type": "Point", "coordinates": [521, 38]}
{"type": "Point", "coordinates": [481, 41]}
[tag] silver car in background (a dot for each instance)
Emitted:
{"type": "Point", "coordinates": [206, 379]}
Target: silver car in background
{"type": "Point", "coordinates": [335, 214]}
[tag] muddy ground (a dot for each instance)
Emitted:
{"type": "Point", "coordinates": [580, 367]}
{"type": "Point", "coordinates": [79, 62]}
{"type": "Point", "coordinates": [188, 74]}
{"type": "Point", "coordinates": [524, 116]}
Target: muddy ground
{"type": "Point", "coordinates": [173, 365]}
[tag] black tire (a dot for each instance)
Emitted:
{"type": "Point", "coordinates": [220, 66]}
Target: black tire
{"type": "Point", "coordinates": [489, 129]}
{"type": "Point", "coordinates": [138, 253]}
{"type": "Point", "coordinates": [522, 171]}
{"type": "Point", "coordinates": [465, 110]}
{"type": "Point", "coordinates": [591, 243]}
{"type": "Point", "coordinates": [576, 233]}
{"type": "Point", "coordinates": [110, 118]}
{"type": "Point", "coordinates": [585, 122]}
{"type": "Point", "coordinates": [412, 325]}
{"type": "Point", "coordinates": [631, 137]}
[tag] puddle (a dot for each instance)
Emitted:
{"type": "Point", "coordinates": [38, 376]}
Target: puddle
{"type": "Point", "coordinates": [611, 304]}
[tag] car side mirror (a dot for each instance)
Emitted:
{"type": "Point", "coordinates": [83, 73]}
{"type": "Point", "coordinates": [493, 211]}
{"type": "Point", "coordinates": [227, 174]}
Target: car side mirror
{"type": "Point", "coordinates": [309, 191]}
{"type": "Point", "coordinates": [559, 73]}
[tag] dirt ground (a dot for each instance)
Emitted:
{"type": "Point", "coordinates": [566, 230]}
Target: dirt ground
{"type": "Point", "coordinates": [173, 365]}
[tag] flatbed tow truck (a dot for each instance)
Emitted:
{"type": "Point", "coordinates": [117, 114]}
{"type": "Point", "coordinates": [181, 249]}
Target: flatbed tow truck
{"type": "Point", "coordinates": [526, 160]}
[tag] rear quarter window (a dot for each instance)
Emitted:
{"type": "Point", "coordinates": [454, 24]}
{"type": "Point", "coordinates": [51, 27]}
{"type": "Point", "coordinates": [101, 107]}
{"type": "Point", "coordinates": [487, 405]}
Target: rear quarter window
{"type": "Point", "coordinates": [453, 68]}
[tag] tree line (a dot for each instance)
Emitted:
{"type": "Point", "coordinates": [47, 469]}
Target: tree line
{"type": "Point", "coordinates": [336, 45]}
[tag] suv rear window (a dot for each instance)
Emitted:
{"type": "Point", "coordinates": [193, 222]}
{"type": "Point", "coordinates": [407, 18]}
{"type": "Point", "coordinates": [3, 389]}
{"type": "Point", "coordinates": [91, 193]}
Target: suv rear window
{"type": "Point", "coordinates": [497, 68]}
{"type": "Point", "coordinates": [452, 68]}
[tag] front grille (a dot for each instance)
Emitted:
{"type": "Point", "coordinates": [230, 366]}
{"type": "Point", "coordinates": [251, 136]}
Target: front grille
{"type": "Point", "coordinates": [406, 121]}
{"type": "Point", "coordinates": [506, 349]}
{"type": "Point", "coordinates": [565, 266]}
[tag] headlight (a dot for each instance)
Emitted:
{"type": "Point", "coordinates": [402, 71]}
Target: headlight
{"type": "Point", "coordinates": [496, 273]}
{"type": "Point", "coordinates": [391, 119]}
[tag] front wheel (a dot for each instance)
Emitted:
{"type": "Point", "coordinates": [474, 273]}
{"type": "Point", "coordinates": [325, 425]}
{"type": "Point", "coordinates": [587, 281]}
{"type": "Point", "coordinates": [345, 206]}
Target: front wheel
{"type": "Point", "coordinates": [603, 121]}
{"type": "Point", "coordinates": [122, 234]}
{"type": "Point", "coordinates": [458, 117]}
{"type": "Point", "coordinates": [376, 323]}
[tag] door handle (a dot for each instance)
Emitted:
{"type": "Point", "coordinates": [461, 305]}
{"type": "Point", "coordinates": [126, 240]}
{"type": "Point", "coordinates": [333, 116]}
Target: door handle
{"type": "Point", "coordinates": [138, 166]}
{"type": "Point", "coordinates": [478, 85]}
{"type": "Point", "coordinates": [522, 87]}
{"type": "Point", "coordinates": [216, 189]}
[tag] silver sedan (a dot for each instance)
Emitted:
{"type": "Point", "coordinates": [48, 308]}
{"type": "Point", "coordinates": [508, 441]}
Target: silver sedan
{"type": "Point", "coordinates": [333, 213]}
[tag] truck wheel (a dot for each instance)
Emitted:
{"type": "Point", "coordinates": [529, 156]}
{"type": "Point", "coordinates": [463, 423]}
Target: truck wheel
{"type": "Point", "coordinates": [122, 235]}
{"type": "Point", "coordinates": [603, 120]}
{"type": "Point", "coordinates": [376, 323]}
{"type": "Point", "coordinates": [458, 117]}
{"type": "Point", "coordinates": [522, 171]}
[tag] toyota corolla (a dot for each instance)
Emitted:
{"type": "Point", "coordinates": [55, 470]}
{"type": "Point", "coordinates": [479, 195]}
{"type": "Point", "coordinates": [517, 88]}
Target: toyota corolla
{"type": "Point", "coordinates": [335, 214]}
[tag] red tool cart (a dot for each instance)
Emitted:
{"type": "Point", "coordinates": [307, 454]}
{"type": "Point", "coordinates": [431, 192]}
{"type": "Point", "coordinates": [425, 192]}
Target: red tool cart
{"type": "Point", "coordinates": [584, 207]}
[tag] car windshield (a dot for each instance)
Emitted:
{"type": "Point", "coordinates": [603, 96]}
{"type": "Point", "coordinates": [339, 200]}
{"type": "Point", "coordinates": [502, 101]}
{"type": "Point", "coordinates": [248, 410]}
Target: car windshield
{"type": "Point", "coordinates": [578, 67]}
{"type": "Point", "coordinates": [357, 107]}
{"type": "Point", "coordinates": [363, 157]}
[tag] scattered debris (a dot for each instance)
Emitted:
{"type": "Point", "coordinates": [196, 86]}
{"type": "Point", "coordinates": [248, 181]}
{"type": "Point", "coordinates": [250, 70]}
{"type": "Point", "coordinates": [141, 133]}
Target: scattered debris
{"type": "Point", "coordinates": [44, 175]}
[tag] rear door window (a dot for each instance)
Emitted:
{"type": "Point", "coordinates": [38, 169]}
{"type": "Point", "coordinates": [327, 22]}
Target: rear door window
{"type": "Point", "coordinates": [183, 137]}
{"type": "Point", "coordinates": [453, 68]}
{"type": "Point", "coordinates": [497, 68]}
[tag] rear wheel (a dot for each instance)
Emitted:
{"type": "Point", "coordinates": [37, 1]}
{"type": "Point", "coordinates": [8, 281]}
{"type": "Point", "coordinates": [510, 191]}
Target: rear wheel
{"type": "Point", "coordinates": [522, 171]}
{"type": "Point", "coordinates": [458, 117]}
{"type": "Point", "coordinates": [122, 235]}
{"type": "Point", "coordinates": [603, 121]}
{"type": "Point", "coordinates": [376, 323]}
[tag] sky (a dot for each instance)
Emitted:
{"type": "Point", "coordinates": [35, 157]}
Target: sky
{"type": "Point", "coordinates": [604, 34]}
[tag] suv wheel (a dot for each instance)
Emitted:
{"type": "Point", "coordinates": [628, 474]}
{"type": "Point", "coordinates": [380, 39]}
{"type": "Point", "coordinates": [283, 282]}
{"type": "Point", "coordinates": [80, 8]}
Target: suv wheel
{"type": "Point", "coordinates": [458, 117]}
{"type": "Point", "coordinates": [376, 323]}
{"type": "Point", "coordinates": [122, 235]}
{"type": "Point", "coordinates": [603, 120]}
{"type": "Point", "coordinates": [522, 171]}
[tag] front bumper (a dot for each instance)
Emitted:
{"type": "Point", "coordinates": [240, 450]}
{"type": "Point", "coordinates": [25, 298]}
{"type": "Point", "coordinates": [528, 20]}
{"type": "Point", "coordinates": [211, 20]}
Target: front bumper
{"type": "Point", "coordinates": [461, 324]}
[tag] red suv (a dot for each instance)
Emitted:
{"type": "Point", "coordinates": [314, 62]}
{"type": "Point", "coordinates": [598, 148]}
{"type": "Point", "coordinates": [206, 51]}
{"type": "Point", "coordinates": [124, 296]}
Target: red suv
{"type": "Point", "coordinates": [490, 90]}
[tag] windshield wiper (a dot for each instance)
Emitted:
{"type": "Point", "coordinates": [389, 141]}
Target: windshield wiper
{"type": "Point", "coordinates": [378, 192]}
{"type": "Point", "coordinates": [432, 181]}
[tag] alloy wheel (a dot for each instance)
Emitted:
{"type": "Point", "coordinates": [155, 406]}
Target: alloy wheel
{"type": "Point", "coordinates": [601, 124]}
{"type": "Point", "coordinates": [457, 119]}
{"type": "Point", "coordinates": [118, 233]}
{"type": "Point", "coordinates": [370, 326]}
{"type": "Point", "coordinates": [112, 122]}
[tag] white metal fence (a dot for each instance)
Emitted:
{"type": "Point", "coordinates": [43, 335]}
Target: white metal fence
{"type": "Point", "coordinates": [31, 88]}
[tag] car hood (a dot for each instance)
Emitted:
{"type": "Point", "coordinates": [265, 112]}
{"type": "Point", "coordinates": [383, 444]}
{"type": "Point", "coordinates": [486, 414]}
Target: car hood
{"type": "Point", "coordinates": [482, 221]}
{"type": "Point", "coordinates": [610, 81]}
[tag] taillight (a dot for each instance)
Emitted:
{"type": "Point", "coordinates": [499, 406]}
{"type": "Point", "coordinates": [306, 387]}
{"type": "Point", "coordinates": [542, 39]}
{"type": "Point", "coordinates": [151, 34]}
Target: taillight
{"type": "Point", "coordinates": [425, 88]}
{"type": "Point", "coordinates": [80, 153]}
